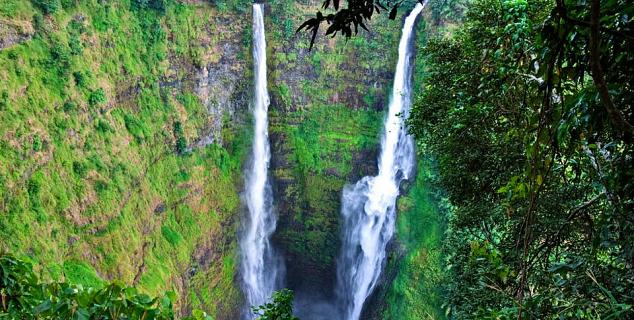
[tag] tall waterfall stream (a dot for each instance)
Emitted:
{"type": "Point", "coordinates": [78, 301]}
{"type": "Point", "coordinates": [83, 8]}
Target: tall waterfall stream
{"type": "Point", "coordinates": [261, 268]}
{"type": "Point", "coordinates": [369, 206]}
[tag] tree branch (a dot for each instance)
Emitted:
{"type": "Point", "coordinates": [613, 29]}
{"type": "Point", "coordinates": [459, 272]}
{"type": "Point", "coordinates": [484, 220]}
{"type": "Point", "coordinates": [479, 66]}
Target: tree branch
{"type": "Point", "coordinates": [564, 15]}
{"type": "Point", "coordinates": [597, 71]}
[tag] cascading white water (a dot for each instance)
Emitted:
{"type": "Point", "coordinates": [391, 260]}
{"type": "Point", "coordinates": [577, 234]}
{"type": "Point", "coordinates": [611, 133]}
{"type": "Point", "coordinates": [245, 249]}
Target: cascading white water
{"type": "Point", "coordinates": [368, 207]}
{"type": "Point", "coordinates": [261, 268]}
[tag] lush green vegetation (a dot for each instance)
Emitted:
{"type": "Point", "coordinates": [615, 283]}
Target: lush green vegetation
{"type": "Point", "coordinates": [98, 155]}
{"type": "Point", "coordinates": [121, 155]}
{"type": "Point", "coordinates": [325, 124]}
{"type": "Point", "coordinates": [527, 108]}
{"type": "Point", "coordinates": [417, 263]}
{"type": "Point", "coordinates": [320, 160]}
{"type": "Point", "coordinates": [279, 308]}
{"type": "Point", "coordinates": [23, 296]}
{"type": "Point", "coordinates": [102, 119]}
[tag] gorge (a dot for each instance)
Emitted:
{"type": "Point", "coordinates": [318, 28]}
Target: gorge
{"type": "Point", "coordinates": [145, 173]}
{"type": "Point", "coordinates": [316, 159]}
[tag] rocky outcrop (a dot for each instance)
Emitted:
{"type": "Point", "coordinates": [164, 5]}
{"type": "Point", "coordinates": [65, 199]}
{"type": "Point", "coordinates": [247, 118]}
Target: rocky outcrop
{"type": "Point", "coordinates": [14, 32]}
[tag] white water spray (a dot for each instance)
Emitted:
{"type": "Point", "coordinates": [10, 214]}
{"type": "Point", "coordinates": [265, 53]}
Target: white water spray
{"type": "Point", "coordinates": [261, 268]}
{"type": "Point", "coordinates": [368, 207]}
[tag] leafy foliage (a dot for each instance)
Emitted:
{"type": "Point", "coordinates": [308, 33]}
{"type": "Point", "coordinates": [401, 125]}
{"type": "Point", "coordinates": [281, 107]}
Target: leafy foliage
{"type": "Point", "coordinates": [280, 308]}
{"type": "Point", "coordinates": [535, 157]}
{"type": "Point", "coordinates": [24, 296]}
{"type": "Point", "coordinates": [345, 20]}
{"type": "Point", "coordinates": [47, 6]}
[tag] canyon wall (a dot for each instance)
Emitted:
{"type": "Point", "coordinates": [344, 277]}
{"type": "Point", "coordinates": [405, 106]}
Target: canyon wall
{"type": "Point", "coordinates": [125, 129]}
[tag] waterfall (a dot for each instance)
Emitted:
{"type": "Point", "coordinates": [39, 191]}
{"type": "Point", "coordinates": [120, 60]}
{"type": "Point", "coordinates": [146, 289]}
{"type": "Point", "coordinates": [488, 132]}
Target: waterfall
{"type": "Point", "coordinates": [261, 267]}
{"type": "Point", "coordinates": [368, 207]}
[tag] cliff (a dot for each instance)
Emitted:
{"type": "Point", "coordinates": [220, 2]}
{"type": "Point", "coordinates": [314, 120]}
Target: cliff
{"type": "Point", "coordinates": [125, 126]}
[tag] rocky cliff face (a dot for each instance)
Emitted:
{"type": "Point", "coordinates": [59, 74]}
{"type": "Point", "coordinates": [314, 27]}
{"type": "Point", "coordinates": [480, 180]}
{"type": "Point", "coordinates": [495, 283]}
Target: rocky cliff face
{"type": "Point", "coordinates": [325, 122]}
{"type": "Point", "coordinates": [124, 130]}
{"type": "Point", "coordinates": [123, 133]}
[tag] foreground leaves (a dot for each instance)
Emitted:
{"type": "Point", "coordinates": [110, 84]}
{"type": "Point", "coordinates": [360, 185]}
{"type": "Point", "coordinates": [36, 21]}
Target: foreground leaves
{"type": "Point", "coordinates": [23, 296]}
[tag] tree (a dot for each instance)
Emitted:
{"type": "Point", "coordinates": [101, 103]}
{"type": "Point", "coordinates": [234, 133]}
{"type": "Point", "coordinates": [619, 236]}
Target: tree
{"type": "Point", "coordinates": [527, 109]}
{"type": "Point", "coordinates": [24, 296]}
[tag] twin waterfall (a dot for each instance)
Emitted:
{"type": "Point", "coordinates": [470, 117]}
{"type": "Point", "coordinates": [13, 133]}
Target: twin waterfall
{"type": "Point", "coordinates": [262, 269]}
{"type": "Point", "coordinates": [368, 207]}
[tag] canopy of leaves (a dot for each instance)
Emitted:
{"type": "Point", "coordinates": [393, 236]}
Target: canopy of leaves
{"type": "Point", "coordinates": [528, 111]}
{"type": "Point", "coordinates": [347, 21]}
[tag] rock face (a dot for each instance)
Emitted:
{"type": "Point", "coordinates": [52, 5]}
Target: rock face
{"type": "Point", "coordinates": [321, 102]}
{"type": "Point", "coordinates": [125, 133]}
{"type": "Point", "coordinates": [222, 82]}
{"type": "Point", "coordinates": [14, 32]}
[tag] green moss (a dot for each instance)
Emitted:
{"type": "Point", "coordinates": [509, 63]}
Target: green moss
{"type": "Point", "coordinates": [87, 157]}
{"type": "Point", "coordinates": [321, 158]}
{"type": "Point", "coordinates": [173, 237]}
{"type": "Point", "coordinates": [79, 272]}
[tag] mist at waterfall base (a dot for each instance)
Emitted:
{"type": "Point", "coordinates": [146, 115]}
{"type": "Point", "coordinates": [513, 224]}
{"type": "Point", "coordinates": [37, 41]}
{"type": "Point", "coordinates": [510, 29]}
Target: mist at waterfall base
{"type": "Point", "coordinates": [369, 207]}
{"type": "Point", "coordinates": [262, 269]}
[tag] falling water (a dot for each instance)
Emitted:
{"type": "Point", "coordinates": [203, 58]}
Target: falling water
{"type": "Point", "coordinates": [261, 267]}
{"type": "Point", "coordinates": [368, 207]}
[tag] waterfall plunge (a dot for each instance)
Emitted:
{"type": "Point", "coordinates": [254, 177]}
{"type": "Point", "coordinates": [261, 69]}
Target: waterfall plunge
{"type": "Point", "coordinates": [368, 207]}
{"type": "Point", "coordinates": [261, 268]}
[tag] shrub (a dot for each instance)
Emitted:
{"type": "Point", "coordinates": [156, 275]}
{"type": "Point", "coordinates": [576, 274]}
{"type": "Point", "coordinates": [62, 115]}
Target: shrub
{"type": "Point", "coordinates": [103, 126]}
{"type": "Point", "coordinates": [4, 100]}
{"type": "Point", "coordinates": [97, 97]}
{"type": "Point", "coordinates": [33, 189]}
{"type": "Point", "coordinates": [172, 236]}
{"type": "Point", "coordinates": [81, 79]}
{"type": "Point", "coordinates": [69, 4]}
{"type": "Point", "coordinates": [47, 6]}
{"type": "Point", "coordinates": [69, 106]}
{"type": "Point", "coordinates": [181, 142]}
{"type": "Point", "coordinates": [75, 44]}
{"type": "Point", "coordinates": [80, 169]}
{"type": "Point", "coordinates": [135, 127]}
{"type": "Point", "coordinates": [37, 143]}
{"type": "Point", "coordinates": [157, 5]}
{"type": "Point", "coordinates": [280, 308]}
{"type": "Point", "coordinates": [60, 57]}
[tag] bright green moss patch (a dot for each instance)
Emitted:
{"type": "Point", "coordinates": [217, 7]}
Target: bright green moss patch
{"type": "Point", "coordinates": [173, 237]}
{"type": "Point", "coordinates": [79, 272]}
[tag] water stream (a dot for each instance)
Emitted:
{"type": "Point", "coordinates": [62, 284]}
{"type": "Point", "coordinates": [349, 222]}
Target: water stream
{"type": "Point", "coordinates": [261, 268]}
{"type": "Point", "coordinates": [369, 206]}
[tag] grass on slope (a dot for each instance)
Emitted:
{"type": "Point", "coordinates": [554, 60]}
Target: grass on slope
{"type": "Point", "coordinates": [91, 184]}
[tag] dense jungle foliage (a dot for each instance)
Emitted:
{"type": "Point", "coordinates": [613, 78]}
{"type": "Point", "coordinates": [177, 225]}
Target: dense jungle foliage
{"type": "Point", "coordinates": [527, 109]}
